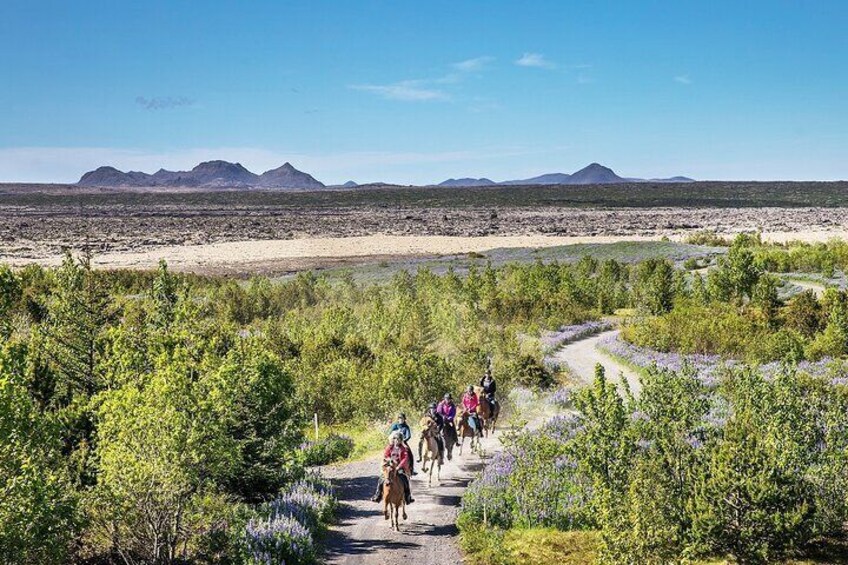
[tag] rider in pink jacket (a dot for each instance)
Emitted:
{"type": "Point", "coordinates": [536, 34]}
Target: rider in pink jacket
{"type": "Point", "coordinates": [470, 403]}
{"type": "Point", "coordinates": [470, 400]}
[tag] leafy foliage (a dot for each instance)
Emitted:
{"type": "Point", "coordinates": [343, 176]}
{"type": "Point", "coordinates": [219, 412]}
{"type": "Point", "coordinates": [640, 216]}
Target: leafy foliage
{"type": "Point", "coordinates": [752, 467]}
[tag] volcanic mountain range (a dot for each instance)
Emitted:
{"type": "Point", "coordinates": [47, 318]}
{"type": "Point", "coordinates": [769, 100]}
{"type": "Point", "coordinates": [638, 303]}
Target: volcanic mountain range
{"type": "Point", "coordinates": [223, 174]}
{"type": "Point", "coordinates": [209, 174]}
{"type": "Point", "coordinates": [592, 174]}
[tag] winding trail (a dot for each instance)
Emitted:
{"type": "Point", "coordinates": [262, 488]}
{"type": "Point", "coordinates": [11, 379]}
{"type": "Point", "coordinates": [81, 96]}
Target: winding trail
{"type": "Point", "coordinates": [361, 536]}
{"type": "Point", "coordinates": [817, 288]}
{"type": "Point", "coordinates": [581, 357]}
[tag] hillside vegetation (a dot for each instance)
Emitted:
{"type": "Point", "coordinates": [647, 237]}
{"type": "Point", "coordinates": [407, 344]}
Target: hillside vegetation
{"type": "Point", "coordinates": [154, 417]}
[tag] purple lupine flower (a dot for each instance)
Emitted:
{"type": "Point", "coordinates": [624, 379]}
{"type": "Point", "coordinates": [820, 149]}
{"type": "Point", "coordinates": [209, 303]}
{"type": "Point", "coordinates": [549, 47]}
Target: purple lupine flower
{"type": "Point", "coordinates": [694, 442]}
{"type": "Point", "coordinates": [561, 398]}
{"type": "Point", "coordinates": [552, 340]}
{"type": "Point", "coordinates": [639, 416]}
{"type": "Point", "coordinates": [644, 444]}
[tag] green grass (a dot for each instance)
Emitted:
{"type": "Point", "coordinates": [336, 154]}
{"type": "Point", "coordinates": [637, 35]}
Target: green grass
{"type": "Point", "coordinates": [368, 439]}
{"type": "Point", "coordinates": [535, 546]}
{"type": "Point", "coordinates": [547, 546]}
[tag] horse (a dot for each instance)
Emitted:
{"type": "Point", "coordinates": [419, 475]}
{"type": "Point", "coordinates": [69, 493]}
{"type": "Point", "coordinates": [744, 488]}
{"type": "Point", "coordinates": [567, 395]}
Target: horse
{"type": "Point", "coordinates": [431, 452]}
{"type": "Point", "coordinates": [393, 498]}
{"type": "Point", "coordinates": [464, 430]}
{"type": "Point", "coordinates": [449, 437]}
{"type": "Point", "coordinates": [484, 410]}
{"type": "Point", "coordinates": [487, 411]}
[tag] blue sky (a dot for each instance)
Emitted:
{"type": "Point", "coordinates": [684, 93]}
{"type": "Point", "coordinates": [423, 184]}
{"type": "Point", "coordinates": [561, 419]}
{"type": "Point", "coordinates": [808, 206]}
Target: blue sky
{"type": "Point", "coordinates": [416, 92]}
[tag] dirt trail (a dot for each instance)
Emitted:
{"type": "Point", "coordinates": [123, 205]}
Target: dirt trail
{"type": "Point", "coordinates": [817, 288]}
{"type": "Point", "coordinates": [362, 536]}
{"type": "Point", "coordinates": [582, 356]}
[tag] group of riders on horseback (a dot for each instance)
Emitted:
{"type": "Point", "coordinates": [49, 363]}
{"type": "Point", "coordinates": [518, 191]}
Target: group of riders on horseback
{"type": "Point", "coordinates": [439, 424]}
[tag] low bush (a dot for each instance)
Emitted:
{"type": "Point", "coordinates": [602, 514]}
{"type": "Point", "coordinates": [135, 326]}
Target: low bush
{"type": "Point", "coordinates": [332, 448]}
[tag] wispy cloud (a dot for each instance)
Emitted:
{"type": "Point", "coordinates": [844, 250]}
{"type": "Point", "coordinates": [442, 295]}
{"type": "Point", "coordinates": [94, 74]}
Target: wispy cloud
{"type": "Point", "coordinates": [473, 65]}
{"type": "Point", "coordinates": [407, 90]}
{"type": "Point", "coordinates": [534, 60]}
{"type": "Point", "coordinates": [683, 79]}
{"type": "Point", "coordinates": [163, 102]}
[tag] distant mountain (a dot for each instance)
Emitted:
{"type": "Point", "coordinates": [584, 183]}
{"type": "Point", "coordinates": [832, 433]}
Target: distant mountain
{"type": "Point", "coordinates": [223, 174]}
{"type": "Point", "coordinates": [595, 174]}
{"type": "Point", "coordinates": [550, 178]}
{"type": "Point", "coordinates": [674, 179]}
{"type": "Point", "coordinates": [468, 182]}
{"type": "Point", "coordinates": [350, 184]}
{"type": "Point", "coordinates": [209, 174]}
{"type": "Point", "coordinates": [110, 176]}
{"type": "Point", "coordinates": [288, 177]}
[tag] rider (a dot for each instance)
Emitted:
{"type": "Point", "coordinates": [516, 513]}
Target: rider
{"type": "Point", "coordinates": [469, 405]}
{"type": "Point", "coordinates": [398, 452]}
{"type": "Point", "coordinates": [403, 428]}
{"type": "Point", "coordinates": [434, 415]}
{"type": "Point", "coordinates": [487, 383]}
{"type": "Point", "coordinates": [447, 409]}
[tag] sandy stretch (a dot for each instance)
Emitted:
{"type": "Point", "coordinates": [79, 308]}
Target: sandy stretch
{"type": "Point", "coordinates": [312, 252]}
{"type": "Point", "coordinates": [212, 255]}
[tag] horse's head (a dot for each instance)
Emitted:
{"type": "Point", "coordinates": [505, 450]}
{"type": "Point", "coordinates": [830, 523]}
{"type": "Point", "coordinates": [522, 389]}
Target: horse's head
{"type": "Point", "coordinates": [389, 470]}
{"type": "Point", "coordinates": [427, 424]}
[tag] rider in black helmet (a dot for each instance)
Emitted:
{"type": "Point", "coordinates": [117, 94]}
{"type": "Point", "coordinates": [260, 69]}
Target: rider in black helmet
{"type": "Point", "coordinates": [434, 415]}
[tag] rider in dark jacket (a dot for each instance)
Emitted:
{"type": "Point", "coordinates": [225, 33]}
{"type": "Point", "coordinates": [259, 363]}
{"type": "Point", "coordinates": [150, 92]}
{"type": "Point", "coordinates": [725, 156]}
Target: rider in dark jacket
{"type": "Point", "coordinates": [487, 383]}
{"type": "Point", "coordinates": [434, 415]}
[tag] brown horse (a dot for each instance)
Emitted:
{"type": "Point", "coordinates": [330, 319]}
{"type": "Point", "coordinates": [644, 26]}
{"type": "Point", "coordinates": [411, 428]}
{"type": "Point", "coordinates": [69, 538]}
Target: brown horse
{"type": "Point", "coordinates": [487, 411]}
{"type": "Point", "coordinates": [431, 451]}
{"type": "Point", "coordinates": [464, 430]}
{"type": "Point", "coordinates": [393, 499]}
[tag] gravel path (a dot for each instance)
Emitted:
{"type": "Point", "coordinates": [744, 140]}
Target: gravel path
{"type": "Point", "coordinates": [817, 288]}
{"type": "Point", "coordinates": [361, 536]}
{"type": "Point", "coordinates": [582, 356]}
{"type": "Point", "coordinates": [429, 536]}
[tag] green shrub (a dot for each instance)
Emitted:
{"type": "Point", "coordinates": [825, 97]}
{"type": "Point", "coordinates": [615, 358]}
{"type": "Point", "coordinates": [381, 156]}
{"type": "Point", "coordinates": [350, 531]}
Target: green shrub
{"type": "Point", "coordinates": [327, 450]}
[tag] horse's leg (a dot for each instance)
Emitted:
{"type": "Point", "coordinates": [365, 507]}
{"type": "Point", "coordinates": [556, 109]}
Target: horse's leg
{"type": "Point", "coordinates": [385, 506]}
{"type": "Point", "coordinates": [403, 509]}
{"type": "Point", "coordinates": [397, 521]}
{"type": "Point", "coordinates": [461, 443]}
{"type": "Point", "coordinates": [432, 464]}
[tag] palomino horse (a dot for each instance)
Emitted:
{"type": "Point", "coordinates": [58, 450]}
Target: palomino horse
{"type": "Point", "coordinates": [431, 451]}
{"type": "Point", "coordinates": [464, 430]}
{"type": "Point", "coordinates": [487, 411]}
{"type": "Point", "coordinates": [393, 499]}
{"type": "Point", "coordinates": [449, 437]}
